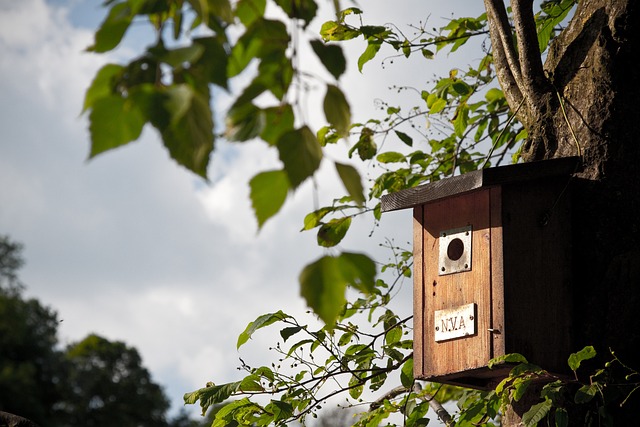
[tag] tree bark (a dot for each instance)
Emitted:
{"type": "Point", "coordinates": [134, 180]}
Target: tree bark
{"type": "Point", "coordinates": [10, 420]}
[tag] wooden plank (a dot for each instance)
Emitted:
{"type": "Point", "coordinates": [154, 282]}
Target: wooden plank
{"type": "Point", "coordinates": [418, 291]}
{"type": "Point", "coordinates": [478, 179]}
{"type": "Point", "coordinates": [452, 290]}
{"type": "Point", "coordinates": [497, 278]}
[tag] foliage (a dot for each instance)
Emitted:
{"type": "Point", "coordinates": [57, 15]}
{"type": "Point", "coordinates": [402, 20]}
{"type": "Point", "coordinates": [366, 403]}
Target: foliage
{"type": "Point", "coordinates": [591, 398]}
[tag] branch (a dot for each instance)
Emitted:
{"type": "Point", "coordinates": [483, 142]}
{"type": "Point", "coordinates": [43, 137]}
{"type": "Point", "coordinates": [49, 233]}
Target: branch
{"type": "Point", "coordinates": [528, 49]}
{"type": "Point", "coordinates": [504, 54]}
{"type": "Point", "coordinates": [440, 411]}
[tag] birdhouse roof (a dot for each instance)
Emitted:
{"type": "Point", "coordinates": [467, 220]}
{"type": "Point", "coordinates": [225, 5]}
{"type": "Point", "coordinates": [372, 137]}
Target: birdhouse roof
{"type": "Point", "coordinates": [475, 180]}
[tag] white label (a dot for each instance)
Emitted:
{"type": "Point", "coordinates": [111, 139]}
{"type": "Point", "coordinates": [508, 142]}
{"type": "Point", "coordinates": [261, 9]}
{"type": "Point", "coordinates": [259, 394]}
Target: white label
{"type": "Point", "coordinates": [456, 322]}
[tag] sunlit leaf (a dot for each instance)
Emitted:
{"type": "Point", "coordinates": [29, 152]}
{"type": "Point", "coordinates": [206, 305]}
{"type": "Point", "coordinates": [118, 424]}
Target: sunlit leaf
{"type": "Point", "coordinates": [406, 374]}
{"type": "Point", "coordinates": [259, 323]}
{"type": "Point", "coordinates": [102, 84]}
{"type": "Point", "coordinates": [536, 413]}
{"type": "Point", "coordinates": [268, 193]}
{"type": "Point", "coordinates": [113, 28]}
{"type": "Point", "coordinates": [373, 46]}
{"type": "Point", "coordinates": [391, 157]}
{"type": "Point", "coordinates": [113, 122]}
{"type": "Point", "coordinates": [335, 31]}
{"type": "Point", "coordinates": [575, 359]}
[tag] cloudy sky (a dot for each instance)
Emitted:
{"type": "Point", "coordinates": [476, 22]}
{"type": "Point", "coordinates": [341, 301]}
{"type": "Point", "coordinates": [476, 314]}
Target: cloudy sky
{"type": "Point", "coordinates": [135, 248]}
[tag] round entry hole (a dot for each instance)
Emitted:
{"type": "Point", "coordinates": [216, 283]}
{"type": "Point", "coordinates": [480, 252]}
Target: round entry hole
{"type": "Point", "coordinates": [455, 249]}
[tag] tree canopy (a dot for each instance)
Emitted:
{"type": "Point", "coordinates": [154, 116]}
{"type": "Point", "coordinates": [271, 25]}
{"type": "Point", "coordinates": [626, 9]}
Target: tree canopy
{"type": "Point", "coordinates": [520, 100]}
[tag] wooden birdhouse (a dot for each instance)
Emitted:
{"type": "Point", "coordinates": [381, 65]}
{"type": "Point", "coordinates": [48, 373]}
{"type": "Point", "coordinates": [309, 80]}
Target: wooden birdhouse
{"type": "Point", "coordinates": [492, 270]}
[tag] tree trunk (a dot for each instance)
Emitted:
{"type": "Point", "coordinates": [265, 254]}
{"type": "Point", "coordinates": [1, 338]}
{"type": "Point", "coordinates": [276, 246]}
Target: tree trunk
{"type": "Point", "coordinates": [591, 110]}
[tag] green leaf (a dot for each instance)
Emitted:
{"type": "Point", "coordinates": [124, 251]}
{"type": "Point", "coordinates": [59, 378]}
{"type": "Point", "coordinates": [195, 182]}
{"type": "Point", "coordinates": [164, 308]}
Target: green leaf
{"type": "Point", "coordinates": [323, 283]}
{"type": "Point", "coordinates": [355, 387]}
{"type": "Point", "coordinates": [337, 110]}
{"type": "Point", "coordinates": [586, 393]}
{"type": "Point", "coordinates": [259, 323]}
{"type": "Point", "coordinates": [211, 395]}
{"type": "Point", "coordinates": [244, 121]}
{"type": "Point", "coordinates": [331, 57]}
{"type": "Point", "coordinates": [373, 46]}
{"type": "Point", "coordinates": [575, 359]}
{"type": "Point", "coordinates": [278, 121]}
{"type": "Point", "coordinates": [300, 153]}
{"type": "Point", "coordinates": [335, 31]}
{"type": "Point", "coordinates": [113, 122]}
{"type": "Point", "coordinates": [391, 157]}
{"type": "Point", "coordinates": [189, 137]}
{"type": "Point", "coordinates": [352, 182]}
{"type": "Point", "coordinates": [286, 333]}
{"type": "Point", "coordinates": [536, 413]}
{"type": "Point", "coordinates": [366, 146]}
{"type": "Point", "coordinates": [561, 417]}
{"type": "Point", "coordinates": [268, 193]}
{"type": "Point", "coordinates": [102, 85]}
{"type": "Point", "coordinates": [250, 10]}
{"type": "Point", "coordinates": [112, 28]}
{"type": "Point", "coordinates": [404, 138]}
{"type": "Point", "coordinates": [507, 358]}
{"type": "Point", "coordinates": [406, 374]}
{"type": "Point", "coordinates": [332, 233]}
{"type": "Point", "coordinates": [323, 287]}
{"type": "Point", "coordinates": [299, 9]}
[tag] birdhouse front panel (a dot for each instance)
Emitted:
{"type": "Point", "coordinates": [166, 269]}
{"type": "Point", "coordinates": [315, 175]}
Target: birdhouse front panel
{"type": "Point", "coordinates": [453, 310]}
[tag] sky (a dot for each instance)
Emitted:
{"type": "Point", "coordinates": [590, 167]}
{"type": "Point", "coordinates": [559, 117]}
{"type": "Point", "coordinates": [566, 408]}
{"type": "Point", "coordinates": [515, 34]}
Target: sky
{"type": "Point", "coordinates": [137, 249]}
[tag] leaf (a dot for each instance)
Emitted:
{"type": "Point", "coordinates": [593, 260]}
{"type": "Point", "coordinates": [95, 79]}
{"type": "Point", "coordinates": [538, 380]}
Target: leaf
{"type": "Point", "coordinates": [323, 283]}
{"type": "Point", "coordinates": [299, 9]}
{"type": "Point", "coordinates": [323, 287]}
{"type": "Point", "coordinates": [561, 417]}
{"type": "Point", "coordinates": [268, 194]}
{"type": "Point", "coordinates": [335, 31]}
{"type": "Point", "coordinates": [211, 395]}
{"type": "Point", "coordinates": [536, 413]}
{"type": "Point", "coordinates": [102, 84]}
{"type": "Point", "coordinates": [406, 374]}
{"type": "Point", "coordinates": [373, 46]}
{"type": "Point", "coordinates": [355, 387]}
{"type": "Point", "coordinates": [300, 153]}
{"type": "Point", "coordinates": [391, 157]}
{"type": "Point", "coordinates": [250, 10]}
{"type": "Point", "coordinates": [286, 333]}
{"type": "Point", "coordinates": [366, 146]}
{"type": "Point", "coordinates": [507, 358]}
{"type": "Point", "coordinates": [352, 182]}
{"type": "Point", "coordinates": [404, 138]}
{"type": "Point", "coordinates": [575, 359]}
{"type": "Point", "coordinates": [113, 122]}
{"type": "Point", "coordinates": [585, 393]}
{"type": "Point", "coordinates": [278, 121]}
{"type": "Point", "coordinates": [331, 57]}
{"type": "Point", "coordinates": [112, 28]}
{"type": "Point", "coordinates": [189, 137]}
{"type": "Point", "coordinates": [332, 233]}
{"type": "Point", "coordinates": [337, 110]}
{"type": "Point", "coordinates": [259, 323]}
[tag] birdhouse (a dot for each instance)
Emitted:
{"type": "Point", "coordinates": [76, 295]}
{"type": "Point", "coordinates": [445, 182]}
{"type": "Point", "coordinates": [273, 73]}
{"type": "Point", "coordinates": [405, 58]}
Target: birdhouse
{"type": "Point", "coordinates": [492, 270]}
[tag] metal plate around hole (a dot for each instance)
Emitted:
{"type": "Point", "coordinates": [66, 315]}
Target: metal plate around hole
{"type": "Point", "coordinates": [451, 239]}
